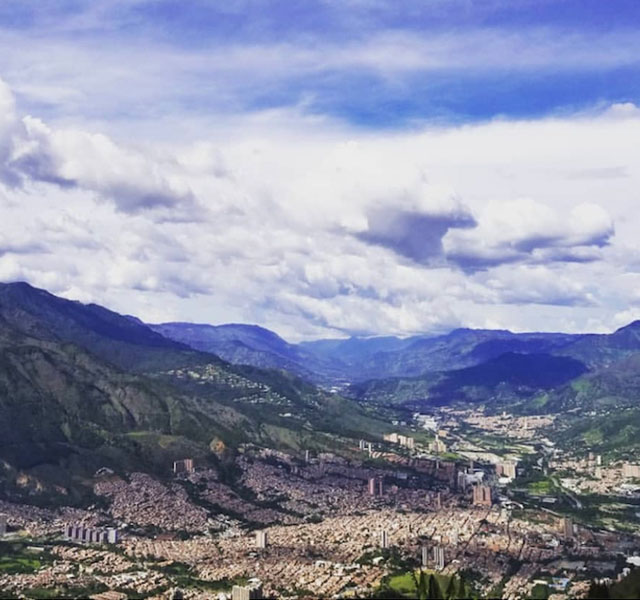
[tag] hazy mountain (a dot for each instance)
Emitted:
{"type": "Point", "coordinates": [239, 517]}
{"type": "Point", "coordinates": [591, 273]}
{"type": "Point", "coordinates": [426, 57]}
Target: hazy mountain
{"type": "Point", "coordinates": [600, 350]}
{"type": "Point", "coordinates": [356, 359]}
{"type": "Point", "coordinates": [510, 375]}
{"type": "Point", "coordinates": [253, 345]}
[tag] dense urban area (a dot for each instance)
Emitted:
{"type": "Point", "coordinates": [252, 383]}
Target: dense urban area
{"type": "Point", "coordinates": [485, 501]}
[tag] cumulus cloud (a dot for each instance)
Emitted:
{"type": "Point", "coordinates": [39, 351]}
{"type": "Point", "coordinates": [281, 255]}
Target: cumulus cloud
{"type": "Point", "coordinates": [31, 151]}
{"type": "Point", "coordinates": [414, 222]}
{"type": "Point", "coordinates": [321, 230]}
{"type": "Point", "coordinates": [525, 229]}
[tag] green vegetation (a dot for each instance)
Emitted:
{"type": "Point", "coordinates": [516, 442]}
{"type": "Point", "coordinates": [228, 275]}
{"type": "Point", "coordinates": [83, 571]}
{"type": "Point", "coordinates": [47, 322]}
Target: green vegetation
{"type": "Point", "coordinates": [626, 589]}
{"type": "Point", "coordinates": [16, 558]}
{"type": "Point", "coordinates": [423, 585]}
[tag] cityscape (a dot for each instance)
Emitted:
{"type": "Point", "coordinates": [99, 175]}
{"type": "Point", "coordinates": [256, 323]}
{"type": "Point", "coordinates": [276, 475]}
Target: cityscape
{"type": "Point", "coordinates": [333, 299]}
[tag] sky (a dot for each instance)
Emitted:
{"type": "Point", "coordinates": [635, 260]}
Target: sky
{"type": "Point", "coordinates": [326, 168]}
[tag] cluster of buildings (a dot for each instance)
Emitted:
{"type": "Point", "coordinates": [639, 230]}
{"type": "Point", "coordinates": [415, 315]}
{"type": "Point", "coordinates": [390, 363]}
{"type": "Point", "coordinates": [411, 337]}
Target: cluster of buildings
{"type": "Point", "coordinates": [402, 440]}
{"type": "Point", "coordinates": [631, 471]}
{"type": "Point", "coordinates": [90, 535]}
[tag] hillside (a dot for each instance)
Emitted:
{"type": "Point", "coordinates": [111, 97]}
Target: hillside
{"type": "Point", "coordinates": [508, 377]}
{"type": "Point", "coordinates": [252, 345]}
{"type": "Point", "coordinates": [602, 350]}
{"type": "Point", "coordinates": [66, 409]}
{"type": "Point", "coordinates": [64, 414]}
{"type": "Point", "coordinates": [124, 342]}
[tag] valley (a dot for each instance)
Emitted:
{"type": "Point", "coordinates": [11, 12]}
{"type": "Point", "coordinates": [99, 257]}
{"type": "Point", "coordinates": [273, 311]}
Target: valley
{"type": "Point", "coordinates": [507, 464]}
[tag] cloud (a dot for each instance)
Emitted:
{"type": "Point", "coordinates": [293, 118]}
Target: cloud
{"type": "Point", "coordinates": [73, 158]}
{"type": "Point", "coordinates": [525, 229]}
{"type": "Point", "coordinates": [313, 228]}
{"type": "Point", "coordinates": [413, 222]}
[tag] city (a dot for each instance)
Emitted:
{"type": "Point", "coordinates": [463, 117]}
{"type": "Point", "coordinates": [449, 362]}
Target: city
{"type": "Point", "coordinates": [327, 526]}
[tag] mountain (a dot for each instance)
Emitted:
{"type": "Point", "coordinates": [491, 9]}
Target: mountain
{"type": "Point", "coordinates": [338, 361]}
{"type": "Point", "coordinates": [253, 345]}
{"type": "Point", "coordinates": [64, 413]}
{"type": "Point", "coordinates": [385, 357]}
{"type": "Point", "coordinates": [507, 377]}
{"type": "Point", "coordinates": [73, 398]}
{"type": "Point", "coordinates": [601, 350]}
{"type": "Point", "coordinates": [123, 341]}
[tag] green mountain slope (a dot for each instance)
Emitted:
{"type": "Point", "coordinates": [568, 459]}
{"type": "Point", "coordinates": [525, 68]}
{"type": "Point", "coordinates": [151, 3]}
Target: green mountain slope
{"type": "Point", "coordinates": [123, 341]}
{"type": "Point", "coordinates": [506, 378]}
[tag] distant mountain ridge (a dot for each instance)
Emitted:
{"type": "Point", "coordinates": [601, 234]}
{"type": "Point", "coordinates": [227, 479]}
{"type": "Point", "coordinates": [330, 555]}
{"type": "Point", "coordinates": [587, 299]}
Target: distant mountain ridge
{"type": "Point", "coordinates": [352, 360]}
{"type": "Point", "coordinates": [83, 387]}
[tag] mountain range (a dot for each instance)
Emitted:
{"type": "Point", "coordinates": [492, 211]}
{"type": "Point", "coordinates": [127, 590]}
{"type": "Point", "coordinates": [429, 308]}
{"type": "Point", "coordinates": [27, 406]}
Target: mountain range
{"type": "Point", "coordinates": [83, 387]}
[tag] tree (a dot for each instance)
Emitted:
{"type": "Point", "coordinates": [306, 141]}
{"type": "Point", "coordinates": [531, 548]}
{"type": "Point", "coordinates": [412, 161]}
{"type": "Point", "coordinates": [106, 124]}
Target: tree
{"type": "Point", "coordinates": [451, 593]}
{"type": "Point", "coordinates": [435, 593]}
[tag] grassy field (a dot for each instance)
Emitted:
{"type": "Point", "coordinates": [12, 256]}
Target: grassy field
{"type": "Point", "coordinates": [402, 585]}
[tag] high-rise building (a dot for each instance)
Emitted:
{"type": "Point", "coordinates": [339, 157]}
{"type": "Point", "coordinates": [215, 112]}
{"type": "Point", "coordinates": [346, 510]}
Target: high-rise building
{"type": "Point", "coordinates": [482, 495]}
{"type": "Point", "coordinates": [390, 437]}
{"type": "Point", "coordinates": [384, 539]}
{"type": "Point", "coordinates": [251, 591]}
{"type": "Point", "coordinates": [438, 446]}
{"type": "Point", "coordinates": [261, 539]}
{"type": "Point", "coordinates": [362, 445]}
{"type": "Point", "coordinates": [425, 556]}
{"type": "Point", "coordinates": [630, 470]}
{"type": "Point", "coordinates": [567, 528]}
{"type": "Point", "coordinates": [183, 466]}
{"type": "Point", "coordinates": [438, 557]}
{"type": "Point", "coordinates": [506, 468]}
{"type": "Point", "coordinates": [376, 486]}
{"type": "Point", "coordinates": [90, 535]}
{"type": "Point", "coordinates": [3, 524]}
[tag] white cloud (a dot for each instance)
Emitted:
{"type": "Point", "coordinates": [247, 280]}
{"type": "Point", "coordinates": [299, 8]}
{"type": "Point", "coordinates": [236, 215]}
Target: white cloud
{"type": "Point", "coordinates": [317, 229]}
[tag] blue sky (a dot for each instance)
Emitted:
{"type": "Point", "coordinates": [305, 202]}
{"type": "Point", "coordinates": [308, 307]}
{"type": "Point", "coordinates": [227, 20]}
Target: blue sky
{"type": "Point", "coordinates": [326, 167]}
{"type": "Point", "coordinates": [370, 64]}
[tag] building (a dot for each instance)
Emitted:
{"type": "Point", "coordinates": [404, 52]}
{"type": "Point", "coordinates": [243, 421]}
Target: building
{"type": "Point", "coordinates": [506, 469]}
{"type": "Point", "coordinates": [438, 446]}
{"type": "Point", "coordinates": [384, 539]}
{"type": "Point", "coordinates": [481, 495]}
{"type": "Point", "coordinates": [3, 524]}
{"type": "Point", "coordinates": [261, 539]}
{"type": "Point", "coordinates": [376, 486]}
{"type": "Point", "coordinates": [391, 437]}
{"type": "Point", "coordinates": [630, 470]}
{"type": "Point", "coordinates": [363, 445]}
{"type": "Point", "coordinates": [252, 590]}
{"type": "Point", "coordinates": [91, 535]}
{"type": "Point", "coordinates": [438, 558]}
{"type": "Point", "coordinates": [567, 528]}
{"type": "Point", "coordinates": [437, 501]}
{"type": "Point", "coordinates": [185, 466]}
{"type": "Point", "coordinates": [425, 556]}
